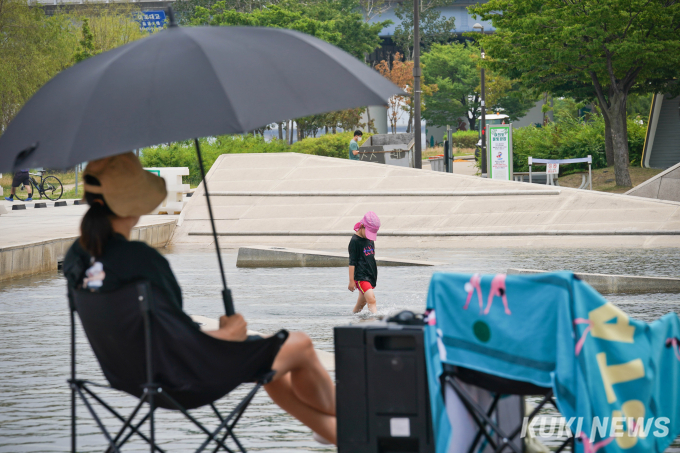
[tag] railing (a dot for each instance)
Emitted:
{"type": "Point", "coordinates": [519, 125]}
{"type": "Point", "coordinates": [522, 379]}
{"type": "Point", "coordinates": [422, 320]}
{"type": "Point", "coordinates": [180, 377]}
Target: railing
{"type": "Point", "coordinates": [588, 160]}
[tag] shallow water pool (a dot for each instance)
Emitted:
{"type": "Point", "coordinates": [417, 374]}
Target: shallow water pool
{"type": "Point", "coordinates": [34, 357]}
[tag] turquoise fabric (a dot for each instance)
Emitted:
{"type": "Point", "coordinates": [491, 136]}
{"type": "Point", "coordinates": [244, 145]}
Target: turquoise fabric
{"type": "Point", "coordinates": [554, 330]}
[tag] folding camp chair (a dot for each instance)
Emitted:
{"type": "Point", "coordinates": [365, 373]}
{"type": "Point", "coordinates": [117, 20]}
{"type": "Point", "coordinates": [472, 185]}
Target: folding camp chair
{"type": "Point", "coordinates": [498, 439]}
{"type": "Point", "coordinates": [149, 348]}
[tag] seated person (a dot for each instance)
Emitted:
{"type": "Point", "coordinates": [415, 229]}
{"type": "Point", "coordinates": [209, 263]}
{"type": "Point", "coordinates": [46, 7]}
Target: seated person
{"type": "Point", "coordinates": [118, 191]}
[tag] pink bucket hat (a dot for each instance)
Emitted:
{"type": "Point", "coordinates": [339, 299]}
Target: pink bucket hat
{"type": "Point", "coordinates": [372, 224]}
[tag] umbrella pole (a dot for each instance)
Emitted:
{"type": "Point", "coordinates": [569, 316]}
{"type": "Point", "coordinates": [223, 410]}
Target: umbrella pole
{"type": "Point", "coordinates": [226, 292]}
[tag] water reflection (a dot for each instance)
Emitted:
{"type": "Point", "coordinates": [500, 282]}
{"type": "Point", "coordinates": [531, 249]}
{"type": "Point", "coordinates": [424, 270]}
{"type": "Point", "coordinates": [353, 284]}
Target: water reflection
{"type": "Point", "coordinates": [34, 360]}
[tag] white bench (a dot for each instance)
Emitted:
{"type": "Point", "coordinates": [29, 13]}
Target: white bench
{"type": "Point", "coordinates": [176, 199]}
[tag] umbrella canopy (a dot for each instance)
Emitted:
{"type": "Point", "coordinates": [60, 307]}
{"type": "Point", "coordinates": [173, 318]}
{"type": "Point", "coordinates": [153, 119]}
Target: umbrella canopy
{"type": "Point", "coordinates": [183, 83]}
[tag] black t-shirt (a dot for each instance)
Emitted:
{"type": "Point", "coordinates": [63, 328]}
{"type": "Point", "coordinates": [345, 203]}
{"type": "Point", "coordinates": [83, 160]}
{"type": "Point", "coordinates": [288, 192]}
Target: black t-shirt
{"type": "Point", "coordinates": [121, 263]}
{"type": "Point", "coordinates": [362, 257]}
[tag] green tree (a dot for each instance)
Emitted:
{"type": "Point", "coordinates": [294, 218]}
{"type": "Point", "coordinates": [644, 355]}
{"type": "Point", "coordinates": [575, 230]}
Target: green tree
{"type": "Point", "coordinates": [434, 28]}
{"type": "Point", "coordinates": [373, 8]}
{"type": "Point", "coordinates": [565, 109]}
{"type": "Point", "coordinates": [615, 46]}
{"type": "Point", "coordinates": [112, 25]}
{"type": "Point", "coordinates": [185, 9]}
{"type": "Point", "coordinates": [33, 49]}
{"type": "Point", "coordinates": [639, 106]}
{"type": "Point", "coordinates": [86, 44]}
{"type": "Point", "coordinates": [583, 93]}
{"type": "Point", "coordinates": [331, 21]}
{"type": "Point", "coordinates": [454, 68]}
{"type": "Point", "coordinates": [338, 22]}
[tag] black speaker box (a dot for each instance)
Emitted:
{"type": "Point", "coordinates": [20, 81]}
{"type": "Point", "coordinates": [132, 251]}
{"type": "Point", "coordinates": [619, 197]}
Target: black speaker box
{"type": "Point", "coordinates": [382, 395]}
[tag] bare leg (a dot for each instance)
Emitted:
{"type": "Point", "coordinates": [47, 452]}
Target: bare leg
{"type": "Point", "coordinates": [370, 300]}
{"type": "Point", "coordinates": [361, 302]}
{"type": "Point", "coordinates": [29, 190]}
{"type": "Point", "coordinates": [303, 388]}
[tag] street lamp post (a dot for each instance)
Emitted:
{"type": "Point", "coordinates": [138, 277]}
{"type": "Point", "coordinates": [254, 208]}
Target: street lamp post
{"type": "Point", "coordinates": [478, 26]}
{"type": "Point", "coordinates": [417, 73]}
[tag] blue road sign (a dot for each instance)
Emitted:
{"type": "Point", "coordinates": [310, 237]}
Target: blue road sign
{"type": "Point", "coordinates": [151, 20]}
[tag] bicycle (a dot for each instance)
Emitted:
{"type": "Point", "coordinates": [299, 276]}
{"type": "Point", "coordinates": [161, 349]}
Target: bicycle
{"type": "Point", "coordinates": [50, 186]}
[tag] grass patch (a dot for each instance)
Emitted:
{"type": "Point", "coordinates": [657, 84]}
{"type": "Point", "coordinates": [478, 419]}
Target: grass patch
{"type": "Point", "coordinates": [67, 179]}
{"type": "Point", "coordinates": [71, 193]}
{"type": "Point", "coordinates": [604, 179]}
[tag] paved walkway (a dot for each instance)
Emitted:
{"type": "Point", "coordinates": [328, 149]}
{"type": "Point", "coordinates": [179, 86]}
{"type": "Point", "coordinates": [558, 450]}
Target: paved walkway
{"type": "Point", "coordinates": [466, 167]}
{"type": "Point", "coordinates": [37, 225]}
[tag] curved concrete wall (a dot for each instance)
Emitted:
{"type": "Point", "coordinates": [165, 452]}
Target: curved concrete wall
{"type": "Point", "coordinates": [43, 256]}
{"type": "Point", "coordinates": [664, 186]}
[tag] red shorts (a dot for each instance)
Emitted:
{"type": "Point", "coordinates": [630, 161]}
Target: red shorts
{"type": "Point", "coordinates": [363, 286]}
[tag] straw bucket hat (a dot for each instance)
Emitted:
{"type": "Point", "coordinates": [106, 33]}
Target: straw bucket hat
{"type": "Point", "coordinates": [126, 187]}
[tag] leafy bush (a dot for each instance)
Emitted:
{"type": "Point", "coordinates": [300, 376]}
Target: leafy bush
{"type": "Point", "coordinates": [465, 139]}
{"type": "Point", "coordinates": [330, 145]}
{"type": "Point", "coordinates": [183, 154]}
{"type": "Point", "coordinates": [571, 138]}
{"type": "Point", "coordinates": [636, 141]}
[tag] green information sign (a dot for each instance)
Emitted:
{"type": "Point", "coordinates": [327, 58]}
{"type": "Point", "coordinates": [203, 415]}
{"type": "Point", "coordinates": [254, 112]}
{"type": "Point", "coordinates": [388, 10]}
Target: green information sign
{"type": "Point", "coordinates": [499, 151]}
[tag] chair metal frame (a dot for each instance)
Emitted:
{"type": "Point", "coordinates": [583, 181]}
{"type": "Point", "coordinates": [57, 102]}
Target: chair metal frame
{"type": "Point", "coordinates": [81, 388]}
{"type": "Point", "coordinates": [488, 428]}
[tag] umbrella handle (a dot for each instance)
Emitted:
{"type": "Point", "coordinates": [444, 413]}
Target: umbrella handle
{"type": "Point", "coordinates": [226, 292]}
{"type": "Point", "coordinates": [228, 302]}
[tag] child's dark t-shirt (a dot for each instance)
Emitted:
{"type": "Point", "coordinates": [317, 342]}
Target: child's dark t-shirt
{"type": "Point", "coordinates": [362, 257]}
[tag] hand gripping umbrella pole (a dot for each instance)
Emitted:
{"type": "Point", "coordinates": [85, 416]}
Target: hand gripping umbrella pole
{"type": "Point", "coordinates": [226, 292]}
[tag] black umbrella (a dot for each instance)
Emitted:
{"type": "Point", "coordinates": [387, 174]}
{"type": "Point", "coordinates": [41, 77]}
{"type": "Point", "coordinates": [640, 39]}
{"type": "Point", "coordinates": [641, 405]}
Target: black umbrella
{"type": "Point", "coordinates": [183, 83]}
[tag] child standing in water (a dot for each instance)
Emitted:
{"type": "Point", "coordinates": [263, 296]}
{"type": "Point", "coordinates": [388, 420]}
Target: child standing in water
{"type": "Point", "coordinates": [363, 272]}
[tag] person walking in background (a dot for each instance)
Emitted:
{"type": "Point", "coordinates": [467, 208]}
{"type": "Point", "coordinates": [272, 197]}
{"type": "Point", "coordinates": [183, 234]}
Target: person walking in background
{"type": "Point", "coordinates": [21, 177]}
{"type": "Point", "coordinates": [363, 271]}
{"type": "Point", "coordinates": [354, 146]}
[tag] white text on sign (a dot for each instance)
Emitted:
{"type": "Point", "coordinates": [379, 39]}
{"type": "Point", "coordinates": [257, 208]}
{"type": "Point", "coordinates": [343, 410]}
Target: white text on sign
{"type": "Point", "coordinates": [552, 169]}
